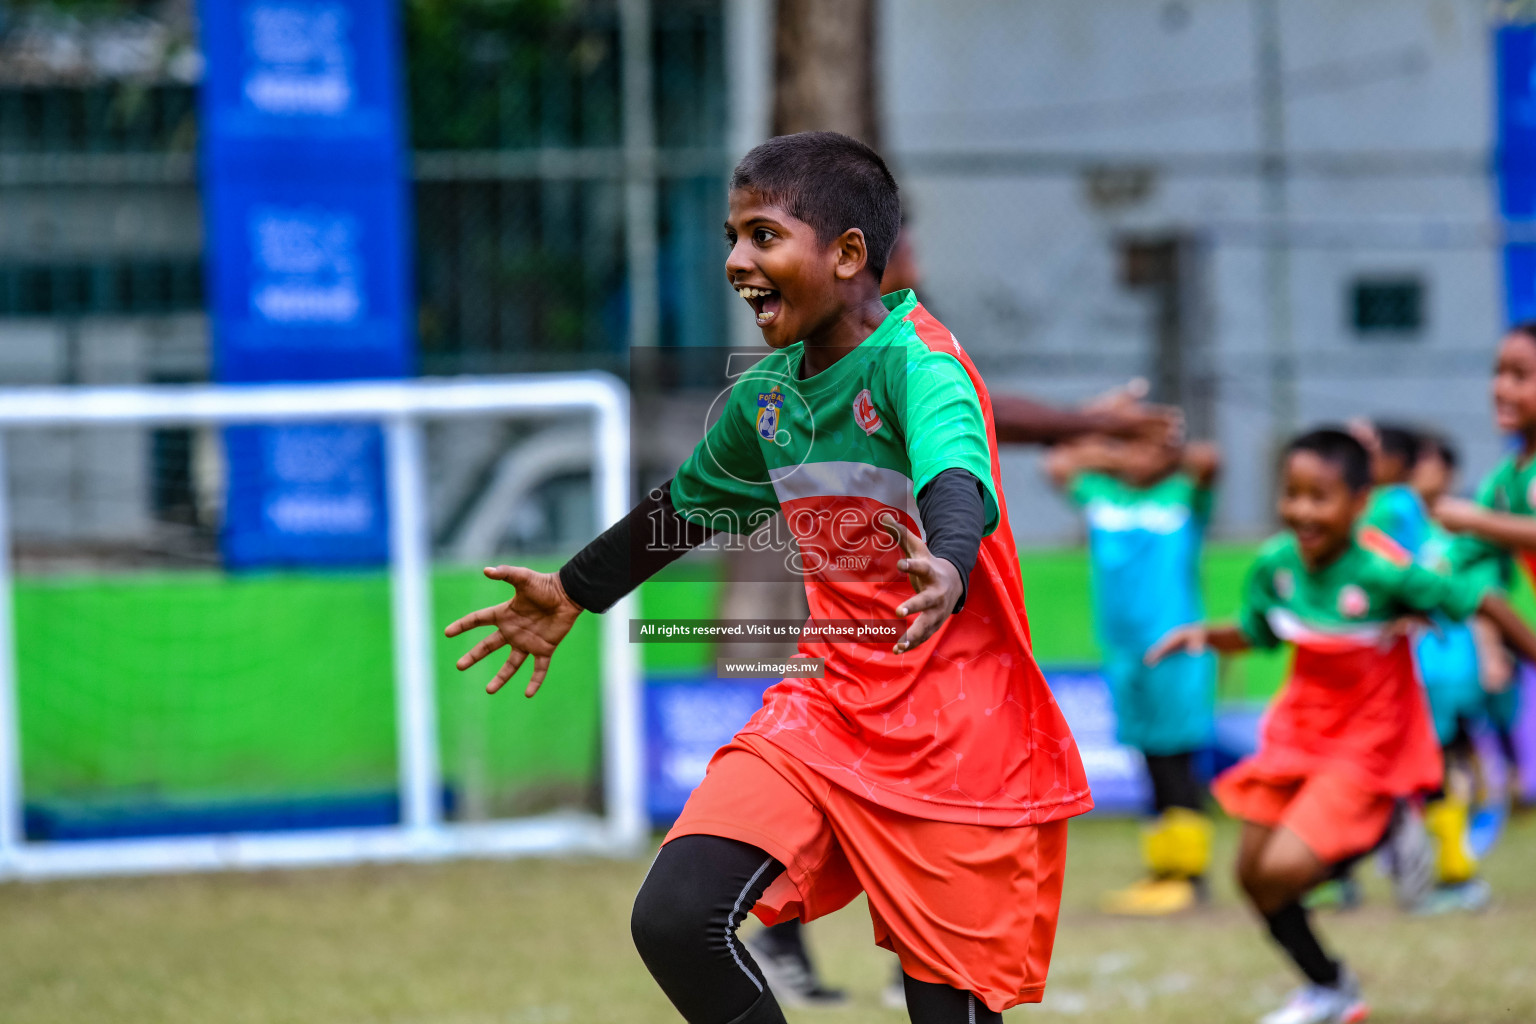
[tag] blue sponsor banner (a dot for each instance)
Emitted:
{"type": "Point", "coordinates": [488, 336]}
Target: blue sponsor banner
{"type": "Point", "coordinates": [1515, 64]}
{"type": "Point", "coordinates": [308, 234]}
{"type": "Point", "coordinates": [308, 281]}
{"type": "Point", "coordinates": [688, 719]}
{"type": "Point", "coordinates": [1519, 283]}
{"type": "Point", "coordinates": [310, 494]}
{"type": "Point", "coordinates": [1117, 774]}
{"type": "Point", "coordinates": [317, 77]}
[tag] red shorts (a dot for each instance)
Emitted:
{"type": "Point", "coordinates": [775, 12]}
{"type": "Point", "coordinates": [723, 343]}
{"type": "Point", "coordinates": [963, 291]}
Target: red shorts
{"type": "Point", "coordinates": [969, 906]}
{"type": "Point", "coordinates": [1334, 816]}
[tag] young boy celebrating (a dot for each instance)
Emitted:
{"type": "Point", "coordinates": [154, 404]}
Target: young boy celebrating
{"type": "Point", "coordinates": [935, 774]}
{"type": "Point", "coordinates": [1147, 505]}
{"type": "Point", "coordinates": [1349, 733]}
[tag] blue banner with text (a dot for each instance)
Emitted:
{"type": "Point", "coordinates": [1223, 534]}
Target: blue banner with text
{"type": "Point", "coordinates": [306, 201]}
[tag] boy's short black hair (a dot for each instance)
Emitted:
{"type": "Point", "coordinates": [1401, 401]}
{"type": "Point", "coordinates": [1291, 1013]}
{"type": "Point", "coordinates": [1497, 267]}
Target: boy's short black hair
{"type": "Point", "coordinates": [1340, 448]}
{"type": "Point", "coordinates": [1526, 328]}
{"type": "Point", "coordinates": [830, 181]}
{"type": "Point", "coordinates": [1440, 445]}
{"type": "Point", "coordinates": [1400, 442]}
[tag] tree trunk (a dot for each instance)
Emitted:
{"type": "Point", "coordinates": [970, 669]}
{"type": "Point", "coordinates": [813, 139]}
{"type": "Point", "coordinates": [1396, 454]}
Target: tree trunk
{"type": "Point", "coordinates": [824, 80]}
{"type": "Point", "coordinates": [824, 68]}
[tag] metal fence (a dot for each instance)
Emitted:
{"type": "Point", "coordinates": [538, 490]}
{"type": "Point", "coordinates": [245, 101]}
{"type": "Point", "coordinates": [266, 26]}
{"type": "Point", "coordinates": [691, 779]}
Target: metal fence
{"type": "Point", "coordinates": [1318, 179]}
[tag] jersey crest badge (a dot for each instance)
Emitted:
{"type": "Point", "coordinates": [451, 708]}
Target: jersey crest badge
{"type": "Point", "coordinates": [864, 412]}
{"type": "Point", "coordinates": [1285, 584]}
{"type": "Point", "coordinates": [1353, 602]}
{"type": "Point", "coordinates": [768, 405]}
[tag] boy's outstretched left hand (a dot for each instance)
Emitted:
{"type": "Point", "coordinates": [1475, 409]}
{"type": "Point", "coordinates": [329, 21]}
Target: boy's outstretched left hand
{"type": "Point", "coordinates": [536, 619]}
{"type": "Point", "coordinates": [936, 581]}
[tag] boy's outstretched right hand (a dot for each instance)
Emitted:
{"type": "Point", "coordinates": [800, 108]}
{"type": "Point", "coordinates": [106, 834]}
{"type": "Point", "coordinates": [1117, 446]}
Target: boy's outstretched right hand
{"type": "Point", "coordinates": [534, 622]}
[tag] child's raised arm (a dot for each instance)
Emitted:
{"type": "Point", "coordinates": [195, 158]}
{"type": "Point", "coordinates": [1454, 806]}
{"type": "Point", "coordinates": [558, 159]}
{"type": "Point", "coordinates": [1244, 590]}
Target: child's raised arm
{"type": "Point", "coordinates": [1202, 461]}
{"type": "Point", "coordinates": [1196, 638]}
{"type": "Point", "coordinates": [1514, 630]}
{"type": "Point", "coordinates": [1505, 529]}
{"type": "Point", "coordinates": [1122, 413]}
{"type": "Point", "coordinates": [1093, 454]}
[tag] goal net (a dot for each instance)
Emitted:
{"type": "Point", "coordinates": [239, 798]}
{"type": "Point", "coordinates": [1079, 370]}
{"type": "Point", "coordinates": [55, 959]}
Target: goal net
{"type": "Point", "coordinates": [174, 696]}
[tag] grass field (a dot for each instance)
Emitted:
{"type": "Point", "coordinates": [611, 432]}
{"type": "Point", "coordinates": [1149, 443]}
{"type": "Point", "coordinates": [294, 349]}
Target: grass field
{"type": "Point", "coordinates": [546, 942]}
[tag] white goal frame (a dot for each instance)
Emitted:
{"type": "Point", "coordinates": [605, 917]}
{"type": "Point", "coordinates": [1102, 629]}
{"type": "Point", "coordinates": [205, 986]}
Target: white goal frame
{"type": "Point", "coordinates": [422, 834]}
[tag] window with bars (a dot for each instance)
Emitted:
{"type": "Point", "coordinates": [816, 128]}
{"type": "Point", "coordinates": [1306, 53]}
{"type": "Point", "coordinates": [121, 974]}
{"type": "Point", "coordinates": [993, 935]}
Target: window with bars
{"type": "Point", "coordinates": [1387, 308]}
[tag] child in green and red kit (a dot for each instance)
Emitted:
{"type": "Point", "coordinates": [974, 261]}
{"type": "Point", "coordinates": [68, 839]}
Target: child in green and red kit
{"type": "Point", "coordinates": [1499, 525]}
{"type": "Point", "coordinates": [934, 774]}
{"type": "Point", "coordinates": [1350, 732]}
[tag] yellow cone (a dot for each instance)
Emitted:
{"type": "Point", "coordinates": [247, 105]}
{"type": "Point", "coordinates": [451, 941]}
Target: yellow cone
{"type": "Point", "coordinates": [1448, 822]}
{"type": "Point", "coordinates": [1178, 844]}
{"type": "Point", "coordinates": [1151, 897]}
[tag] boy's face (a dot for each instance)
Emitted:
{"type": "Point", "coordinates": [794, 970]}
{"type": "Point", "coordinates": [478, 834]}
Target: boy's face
{"type": "Point", "coordinates": [786, 274]}
{"type": "Point", "coordinates": [1318, 506]}
{"type": "Point", "coordinates": [1432, 477]}
{"type": "Point", "coordinates": [1514, 384]}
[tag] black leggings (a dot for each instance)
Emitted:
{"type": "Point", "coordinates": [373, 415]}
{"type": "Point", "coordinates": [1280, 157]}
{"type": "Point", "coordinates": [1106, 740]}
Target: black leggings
{"type": "Point", "coordinates": [1174, 783]}
{"type": "Point", "coordinates": [684, 924]}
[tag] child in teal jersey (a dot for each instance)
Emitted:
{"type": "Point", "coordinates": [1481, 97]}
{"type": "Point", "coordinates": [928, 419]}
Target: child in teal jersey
{"type": "Point", "coordinates": [1459, 663]}
{"type": "Point", "coordinates": [1462, 668]}
{"type": "Point", "coordinates": [1147, 505]}
{"type": "Point", "coordinates": [1394, 508]}
{"type": "Point", "coordinates": [1411, 471]}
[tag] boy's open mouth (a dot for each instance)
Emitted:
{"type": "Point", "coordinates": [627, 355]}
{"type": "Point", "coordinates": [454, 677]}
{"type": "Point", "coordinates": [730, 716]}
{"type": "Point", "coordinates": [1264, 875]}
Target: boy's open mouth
{"type": "Point", "coordinates": [764, 301]}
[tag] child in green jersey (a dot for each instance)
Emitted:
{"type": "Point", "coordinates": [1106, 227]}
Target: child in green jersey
{"type": "Point", "coordinates": [926, 764]}
{"type": "Point", "coordinates": [1498, 527]}
{"type": "Point", "coordinates": [1147, 504]}
{"type": "Point", "coordinates": [1349, 734]}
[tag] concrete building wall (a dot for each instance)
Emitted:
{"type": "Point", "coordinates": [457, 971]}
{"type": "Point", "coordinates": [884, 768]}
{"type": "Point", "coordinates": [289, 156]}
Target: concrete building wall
{"type": "Point", "coordinates": [1002, 116]}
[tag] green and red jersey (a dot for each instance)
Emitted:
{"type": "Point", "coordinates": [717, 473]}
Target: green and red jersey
{"type": "Point", "coordinates": [963, 727]}
{"type": "Point", "coordinates": [1352, 703]}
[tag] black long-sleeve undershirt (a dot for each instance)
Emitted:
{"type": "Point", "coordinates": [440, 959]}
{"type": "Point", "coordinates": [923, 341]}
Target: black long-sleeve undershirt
{"type": "Point", "coordinates": [954, 517]}
{"type": "Point", "coordinates": [647, 540]}
{"type": "Point", "coordinates": [654, 535]}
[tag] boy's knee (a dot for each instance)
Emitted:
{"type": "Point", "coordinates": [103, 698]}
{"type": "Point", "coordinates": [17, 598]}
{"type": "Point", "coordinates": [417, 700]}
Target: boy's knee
{"type": "Point", "coordinates": [663, 917]}
{"type": "Point", "coordinates": [1250, 886]}
{"type": "Point", "coordinates": [1258, 884]}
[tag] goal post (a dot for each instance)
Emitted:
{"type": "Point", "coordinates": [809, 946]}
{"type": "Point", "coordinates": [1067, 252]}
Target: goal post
{"type": "Point", "coordinates": [402, 408]}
